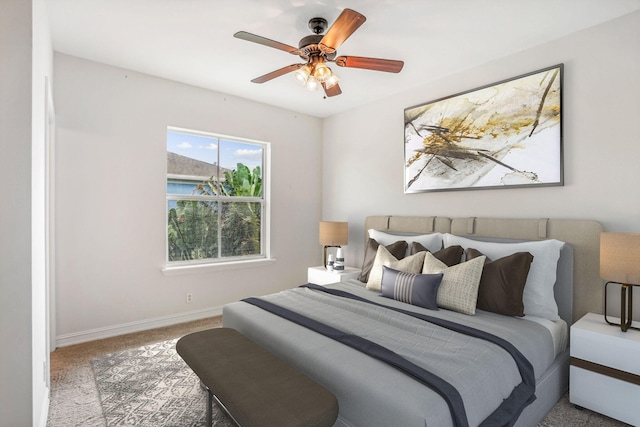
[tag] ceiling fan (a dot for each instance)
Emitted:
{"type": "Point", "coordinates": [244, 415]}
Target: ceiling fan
{"type": "Point", "coordinates": [317, 50]}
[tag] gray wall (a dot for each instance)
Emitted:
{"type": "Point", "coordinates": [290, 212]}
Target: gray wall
{"type": "Point", "coordinates": [363, 148]}
{"type": "Point", "coordinates": [111, 125]}
{"type": "Point", "coordinates": [25, 55]}
{"type": "Point", "coordinates": [15, 224]}
{"type": "Point", "coordinates": [111, 199]}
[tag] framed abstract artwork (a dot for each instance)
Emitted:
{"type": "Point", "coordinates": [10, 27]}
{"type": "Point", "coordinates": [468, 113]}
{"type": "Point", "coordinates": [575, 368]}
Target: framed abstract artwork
{"type": "Point", "coordinates": [503, 135]}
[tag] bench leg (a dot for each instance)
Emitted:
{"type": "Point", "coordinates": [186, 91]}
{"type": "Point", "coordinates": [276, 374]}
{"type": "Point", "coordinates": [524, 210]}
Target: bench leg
{"type": "Point", "coordinates": [210, 401]}
{"type": "Point", "coordinates": [209, 404]}
{"type": "Point", "coordinates": [209, 408]}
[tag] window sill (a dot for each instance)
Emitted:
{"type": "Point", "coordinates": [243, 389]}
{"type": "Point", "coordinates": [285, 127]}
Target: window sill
{"type": "Point", "coordinates": [207, 268]}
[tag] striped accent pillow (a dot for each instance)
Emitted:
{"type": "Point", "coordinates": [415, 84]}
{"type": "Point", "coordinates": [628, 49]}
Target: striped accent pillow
{"type": "Point", "coordinates": [415, 289]}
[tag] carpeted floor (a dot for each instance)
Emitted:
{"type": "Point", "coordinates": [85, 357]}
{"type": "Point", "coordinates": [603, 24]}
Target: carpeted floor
{"type": "Point", "coordinates": [75, 398]}
{"type": "Point", "coordinates": [151, 386]}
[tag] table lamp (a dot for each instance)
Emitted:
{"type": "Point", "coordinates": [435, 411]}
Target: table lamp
{"type": "Point", "coordinates": [620, 263]}
{"type": "Point", "coordinates": [333, 234]}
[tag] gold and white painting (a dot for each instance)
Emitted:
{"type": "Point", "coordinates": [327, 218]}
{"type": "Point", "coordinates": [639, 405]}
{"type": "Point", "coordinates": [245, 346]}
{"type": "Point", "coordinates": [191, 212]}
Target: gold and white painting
{"type": "Point", "coordinates": [507, 134]}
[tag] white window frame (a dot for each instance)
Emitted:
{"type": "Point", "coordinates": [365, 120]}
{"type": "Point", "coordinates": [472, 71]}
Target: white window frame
{"type": "Point", "coordinates": [226, 263]}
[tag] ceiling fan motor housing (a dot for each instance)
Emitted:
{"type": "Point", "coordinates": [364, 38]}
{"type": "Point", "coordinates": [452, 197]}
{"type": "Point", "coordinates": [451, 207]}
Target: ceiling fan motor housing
{"type": "Point", "coordinates": [318, 25]}
{"type": "Point", "coordinates": [310, 46]}
{"type": "Point", "coordinates": [309, 41]}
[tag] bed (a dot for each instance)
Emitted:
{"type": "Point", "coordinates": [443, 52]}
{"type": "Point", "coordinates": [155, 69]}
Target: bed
{"type": "Point", "coordinates": [453, 365]}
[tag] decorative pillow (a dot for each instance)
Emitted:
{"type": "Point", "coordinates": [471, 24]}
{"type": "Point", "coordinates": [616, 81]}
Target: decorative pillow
{"type": "Point", "coordinates": [411, 264]}
{"type": "Point", "coordinates": [432, 242]}
{"type": "Point", "coordinates": [502, 282]}
{"type": "Point", "coordinates": [416, 289]}
{"type": "Point", "coordinates": [459, 288]}
{"type": "Point", "coordinates": [538, 296]}
{"type": "Point", "coordinates": [450, 256]}
{"type": "Point", "coordinates": [397, 249]}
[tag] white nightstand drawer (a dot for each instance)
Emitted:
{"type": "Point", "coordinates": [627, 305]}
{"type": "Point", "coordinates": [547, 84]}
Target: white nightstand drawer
{"type": "Point", "coordinates": [322, 276]}
{"type": "Point", "coordinates": [609, 396]}
{"type": "Point", "coordinates": [593, 340]}
{"type": "Point", "coordinates": [605, 370]}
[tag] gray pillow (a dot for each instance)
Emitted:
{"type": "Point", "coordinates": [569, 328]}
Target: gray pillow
{"type": "Point", "coordinates": [416, 289]}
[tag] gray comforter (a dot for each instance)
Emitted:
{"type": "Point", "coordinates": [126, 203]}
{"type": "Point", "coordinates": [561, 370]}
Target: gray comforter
{"type": "Point", "coordinates": [371, 393]}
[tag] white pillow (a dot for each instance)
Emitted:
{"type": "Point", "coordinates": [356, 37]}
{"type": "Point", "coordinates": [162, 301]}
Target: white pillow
{"type": "Point", "coordinates": [411, 264]}
{"type": "Point", "coordinates": [458, 290]}
{"type": "Point", "coordinates": [432, 242]}
{"type": "Point", "coordinates": [538, 295]}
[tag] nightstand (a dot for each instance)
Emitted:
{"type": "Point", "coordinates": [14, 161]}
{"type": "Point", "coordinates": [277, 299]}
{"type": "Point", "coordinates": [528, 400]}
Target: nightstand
{"type": "Point", "coordinates": [322, 276]}
{"type": "Point", "coordinates": [605, 369]}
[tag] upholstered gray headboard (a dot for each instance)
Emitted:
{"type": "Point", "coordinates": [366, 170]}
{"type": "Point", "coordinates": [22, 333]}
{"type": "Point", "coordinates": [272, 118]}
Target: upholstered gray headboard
{"type": "Point", "coordinates": [583, 236]}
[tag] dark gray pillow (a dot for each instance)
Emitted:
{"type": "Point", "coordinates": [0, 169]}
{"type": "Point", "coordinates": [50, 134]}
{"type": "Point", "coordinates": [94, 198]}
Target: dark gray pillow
{"type": "Point", "coordinates": [397, 249]}
{"type": "Point", "coordinates": [416, 289]}
{"type": "Point", "coordinates": [450, 256]}
{"type": "Point", "coordinates": [502, 283]}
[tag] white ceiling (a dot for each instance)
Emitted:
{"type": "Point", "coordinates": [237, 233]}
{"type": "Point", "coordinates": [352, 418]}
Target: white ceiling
{"type": "Point", "coordinates": [192, 41]}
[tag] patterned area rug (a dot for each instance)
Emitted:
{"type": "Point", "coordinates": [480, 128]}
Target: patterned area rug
{"type": "Point", "coordinates": [151, 386]}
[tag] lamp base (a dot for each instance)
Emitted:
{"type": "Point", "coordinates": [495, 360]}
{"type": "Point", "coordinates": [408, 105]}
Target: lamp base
{"type": "Point", "coordinates": [626, 307]}
{"type": "Point", "coordinates": [325, 252]}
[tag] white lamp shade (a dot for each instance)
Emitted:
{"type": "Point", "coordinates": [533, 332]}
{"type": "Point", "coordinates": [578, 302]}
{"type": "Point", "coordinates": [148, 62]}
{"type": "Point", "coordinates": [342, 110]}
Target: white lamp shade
{"type": "Point", "coordinates": [334, 233]}
{"type": "Point", "coordinates": [620, 257]}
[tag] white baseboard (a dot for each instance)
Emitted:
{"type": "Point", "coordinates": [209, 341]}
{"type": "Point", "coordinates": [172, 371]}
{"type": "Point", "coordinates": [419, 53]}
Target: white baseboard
{"type": "Point", "coordinates": [138, 326]}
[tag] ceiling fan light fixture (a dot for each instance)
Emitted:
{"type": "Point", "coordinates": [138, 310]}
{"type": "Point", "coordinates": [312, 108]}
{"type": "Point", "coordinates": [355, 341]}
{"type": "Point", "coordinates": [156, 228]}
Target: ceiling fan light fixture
{"type": "Point", "coordinates": [312, 83]}
{"type": "Point", "coordinates": [322, 73]}
{"type": "Point", "coordinates": [302, 74]}
{"type": "Point", "coordinates": [316, 49]}
{"type": "Point", "coordinates": [331, 81]}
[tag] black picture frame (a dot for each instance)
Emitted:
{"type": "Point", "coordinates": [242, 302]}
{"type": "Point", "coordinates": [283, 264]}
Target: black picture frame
{"type": "Point", "coordinates": [503, 135]}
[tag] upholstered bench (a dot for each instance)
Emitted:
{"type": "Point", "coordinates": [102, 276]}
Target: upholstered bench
{"type": "Point", "coordinates": [255, 387]}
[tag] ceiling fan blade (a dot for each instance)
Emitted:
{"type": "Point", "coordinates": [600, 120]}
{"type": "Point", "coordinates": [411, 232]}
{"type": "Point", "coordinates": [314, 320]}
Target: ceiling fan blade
{"type": "Point", "coordinates": [348, 21]}
{"type": "Point", "coordinates": [264, 41]}
{"type": "Point", "coordinates": [276, 73]}
{"type": "Point", "coordinates": [332, 91]}
{"type": "Point", "coordinates": [388, 65]}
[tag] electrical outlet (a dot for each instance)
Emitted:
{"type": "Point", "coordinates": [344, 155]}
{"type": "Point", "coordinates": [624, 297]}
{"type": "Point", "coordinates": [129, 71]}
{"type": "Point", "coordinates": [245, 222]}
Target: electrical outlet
{"type": "Point", "coordinates": [189, 298]}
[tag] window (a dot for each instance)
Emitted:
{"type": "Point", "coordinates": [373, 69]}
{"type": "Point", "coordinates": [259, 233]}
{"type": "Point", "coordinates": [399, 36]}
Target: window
{"type": "Point", "coordinates": [216, 208]}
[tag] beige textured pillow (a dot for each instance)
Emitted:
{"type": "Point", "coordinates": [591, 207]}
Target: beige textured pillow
{"type": "Point", "coordinates": [411, 264]}
{"type": "Point", "coordinates": [459, 288]}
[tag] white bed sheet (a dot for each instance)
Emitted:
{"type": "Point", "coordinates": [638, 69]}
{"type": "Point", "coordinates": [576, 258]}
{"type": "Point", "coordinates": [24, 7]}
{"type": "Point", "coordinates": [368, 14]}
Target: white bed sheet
{"type": "Point", "coordinates": [558, 329]}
